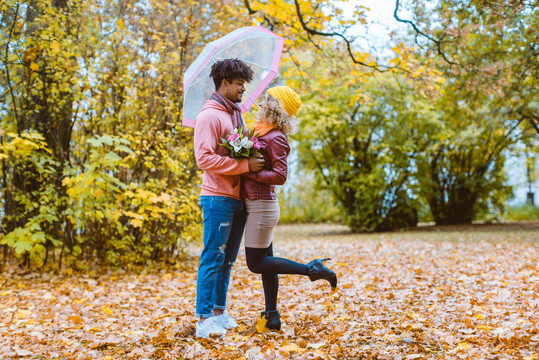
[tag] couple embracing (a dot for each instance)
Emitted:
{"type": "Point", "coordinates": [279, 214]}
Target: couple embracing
{"type": "Point", "coordinates": [239, 195]}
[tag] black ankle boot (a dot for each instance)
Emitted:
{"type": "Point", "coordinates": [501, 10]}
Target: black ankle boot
{"type": "Point", "coordinates": [273, 319]}
{"type": "Point", "coordinates": [317, 270]}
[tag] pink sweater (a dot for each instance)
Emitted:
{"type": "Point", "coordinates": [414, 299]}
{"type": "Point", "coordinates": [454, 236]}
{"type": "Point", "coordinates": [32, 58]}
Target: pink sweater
{"type": "Point", "coordinates": [221, 173]}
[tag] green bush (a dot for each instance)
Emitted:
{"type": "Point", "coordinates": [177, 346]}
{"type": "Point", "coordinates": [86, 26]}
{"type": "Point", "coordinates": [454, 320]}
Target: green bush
{"type": "Point", "coordinates": [301, 203]}
{"type": "Point", "coordinates": [522, 212]}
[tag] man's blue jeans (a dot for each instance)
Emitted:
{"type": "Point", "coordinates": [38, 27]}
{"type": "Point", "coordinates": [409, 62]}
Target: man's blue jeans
{"type": "Point", "coordinates": [224, 221]}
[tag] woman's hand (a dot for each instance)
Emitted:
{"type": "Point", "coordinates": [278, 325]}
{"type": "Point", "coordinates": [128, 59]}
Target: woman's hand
{"type": "Point", "coordinates": [256, 163]}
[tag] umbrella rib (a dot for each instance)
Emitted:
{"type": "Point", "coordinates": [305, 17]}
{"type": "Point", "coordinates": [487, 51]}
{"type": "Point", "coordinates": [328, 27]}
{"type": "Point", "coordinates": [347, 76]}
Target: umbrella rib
{"type": "Point", "coordinates": [249, 62]}
{"type": "Point", "coordinates": [260, 66]}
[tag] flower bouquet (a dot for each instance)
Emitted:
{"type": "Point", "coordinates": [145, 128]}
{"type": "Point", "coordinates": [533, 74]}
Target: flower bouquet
{"type": "Point", "coordinates": [239, 145]}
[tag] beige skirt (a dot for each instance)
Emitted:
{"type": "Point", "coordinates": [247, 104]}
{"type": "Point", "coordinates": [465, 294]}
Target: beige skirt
{"type": "Point", "coordinates": [262, 216]}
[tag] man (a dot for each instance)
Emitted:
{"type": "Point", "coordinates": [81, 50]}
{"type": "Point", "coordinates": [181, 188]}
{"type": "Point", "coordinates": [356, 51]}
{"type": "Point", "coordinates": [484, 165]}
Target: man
{"type": "Point", "coordinates": [222, 208]}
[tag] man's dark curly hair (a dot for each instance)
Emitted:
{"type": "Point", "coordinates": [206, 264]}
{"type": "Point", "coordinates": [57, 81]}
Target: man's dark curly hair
{"type": "Point", "coordinates": [230, 69]}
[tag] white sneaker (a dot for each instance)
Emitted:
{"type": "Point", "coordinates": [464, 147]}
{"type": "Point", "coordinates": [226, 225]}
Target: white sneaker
{"type": "Point", "coordinates": [209, 327]}
{"type": "Point", "coordinates": [225, 321]}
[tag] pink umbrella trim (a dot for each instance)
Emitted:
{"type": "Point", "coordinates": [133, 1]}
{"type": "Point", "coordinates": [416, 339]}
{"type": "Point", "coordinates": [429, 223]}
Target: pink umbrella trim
{"type": "Point", "coordinates": [217, 47]}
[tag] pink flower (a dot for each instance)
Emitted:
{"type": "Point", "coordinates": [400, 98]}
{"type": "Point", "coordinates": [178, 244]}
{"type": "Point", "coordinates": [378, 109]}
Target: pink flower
{"type": "Point", "coordinates": [233, 137]}
{"type": "Point", "coordinates": [256, 144]}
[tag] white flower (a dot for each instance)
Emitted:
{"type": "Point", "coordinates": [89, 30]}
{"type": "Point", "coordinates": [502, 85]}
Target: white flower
{"type": "Point", "coordinates": [235, 131]}
{"type": "Point", "coordinates": [249, 144]}
{"type": "Point", "coordinates": [238, 144]}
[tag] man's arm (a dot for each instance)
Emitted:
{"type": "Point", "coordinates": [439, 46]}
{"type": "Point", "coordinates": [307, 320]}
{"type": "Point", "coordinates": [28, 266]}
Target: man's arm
{"type": "Point", "coordinates": [206, 141]}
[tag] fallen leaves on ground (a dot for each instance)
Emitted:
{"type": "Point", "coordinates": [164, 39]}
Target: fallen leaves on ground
{"type": "Point", "coordinates": [412, 295]}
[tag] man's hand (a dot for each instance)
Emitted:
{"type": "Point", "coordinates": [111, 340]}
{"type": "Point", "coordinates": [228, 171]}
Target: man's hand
{"type": "Point", "coordinates": [256, 163]}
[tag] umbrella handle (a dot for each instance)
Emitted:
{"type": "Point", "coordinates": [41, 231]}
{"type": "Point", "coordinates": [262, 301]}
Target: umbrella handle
{"type": "Point", "coordinates": [254, 102]}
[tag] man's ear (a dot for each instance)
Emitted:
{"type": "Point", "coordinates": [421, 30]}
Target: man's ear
{"type": "Point", "coordinates": [225, 83]}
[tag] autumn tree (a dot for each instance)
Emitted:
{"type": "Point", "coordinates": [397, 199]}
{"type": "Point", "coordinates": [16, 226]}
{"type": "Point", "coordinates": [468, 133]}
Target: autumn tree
{"type": "Point", "coordinates": [487, 105]}
{"type": "Point", "coordinates": [359, 135]}
{"type": "Point", "coordinates": [489, 42]}
{"type": "Point", "coordinates": [487, 54]}
{"type": "Point", "coordinates": [92, 96]}
{"type": "Point", "coordinates": [39, 86]}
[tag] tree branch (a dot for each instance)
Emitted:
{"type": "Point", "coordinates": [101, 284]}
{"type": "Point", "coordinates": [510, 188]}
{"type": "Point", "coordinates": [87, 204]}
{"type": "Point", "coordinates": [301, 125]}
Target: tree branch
{"type": "Point", "coordinates": [252, 12]}
{"type": "Point", "coordinates": [248, 6]}
{"type": "Point", "coordinates": [437, 42]}
{"type": "Point", "coordinates": [313, 32]}
{"type": "Point", "coordinates": [334, 34]}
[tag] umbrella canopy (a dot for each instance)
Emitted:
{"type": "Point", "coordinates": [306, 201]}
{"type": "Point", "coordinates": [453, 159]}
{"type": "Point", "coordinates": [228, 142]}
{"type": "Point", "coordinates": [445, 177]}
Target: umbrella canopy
{"type": "Point", "coordinates": [258, 47]}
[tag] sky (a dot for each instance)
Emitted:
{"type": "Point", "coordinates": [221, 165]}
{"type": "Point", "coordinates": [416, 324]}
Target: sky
{"type": "Point", "coordinates": [380, 22]}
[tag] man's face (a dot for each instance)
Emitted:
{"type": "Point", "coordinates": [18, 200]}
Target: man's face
{"type": "Point", "coordinates": [234, 90]}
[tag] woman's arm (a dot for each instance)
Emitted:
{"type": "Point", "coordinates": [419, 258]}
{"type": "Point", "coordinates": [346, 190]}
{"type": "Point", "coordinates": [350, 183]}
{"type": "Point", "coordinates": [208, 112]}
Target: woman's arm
{"type": "Point", "coordinates": [278, 150]}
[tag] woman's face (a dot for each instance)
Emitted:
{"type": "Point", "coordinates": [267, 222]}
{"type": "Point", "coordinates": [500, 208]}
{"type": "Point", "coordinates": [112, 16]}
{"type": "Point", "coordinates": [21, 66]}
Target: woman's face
{"type": "Point", "coordinates": [260, 112]}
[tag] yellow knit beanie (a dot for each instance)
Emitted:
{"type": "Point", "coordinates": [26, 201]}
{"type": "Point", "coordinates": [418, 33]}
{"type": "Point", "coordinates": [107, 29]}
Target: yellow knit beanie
{"type": "Point", "coordinates": [290, 100]}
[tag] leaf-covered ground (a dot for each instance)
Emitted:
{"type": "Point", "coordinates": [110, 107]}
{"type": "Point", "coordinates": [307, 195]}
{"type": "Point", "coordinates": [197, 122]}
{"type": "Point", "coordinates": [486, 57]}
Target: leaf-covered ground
{"type": "Point", "coordinates": [434, 294]}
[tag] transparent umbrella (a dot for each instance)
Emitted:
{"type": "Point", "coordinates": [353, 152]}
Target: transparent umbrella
{"type": "Point", "coordinates": [258, 47]}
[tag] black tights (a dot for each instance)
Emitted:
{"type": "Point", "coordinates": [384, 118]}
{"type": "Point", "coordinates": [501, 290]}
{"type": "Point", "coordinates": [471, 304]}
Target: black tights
{"type": "Point", "coordinates": [262, 261]}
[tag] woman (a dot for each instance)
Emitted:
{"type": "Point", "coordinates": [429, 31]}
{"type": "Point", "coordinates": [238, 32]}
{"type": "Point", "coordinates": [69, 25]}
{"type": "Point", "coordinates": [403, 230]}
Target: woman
{"type": "Point", "coordinates": [274, 120]}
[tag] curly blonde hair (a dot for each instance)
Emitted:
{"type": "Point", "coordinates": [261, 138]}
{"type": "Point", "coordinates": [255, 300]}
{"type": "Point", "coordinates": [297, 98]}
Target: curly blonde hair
{"type": "Point", "coordinates": [273, 113]}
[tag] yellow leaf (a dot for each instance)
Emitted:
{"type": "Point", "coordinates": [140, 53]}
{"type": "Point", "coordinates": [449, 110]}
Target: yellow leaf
{"type": "Point", "coordinates": [397, 50]}
{"type": "Point", "coordinates": [291, 348]}
{"type": "Point", "coordinates": [107, 310]}
{"type": "Point", "coordinates": [80, 301]}
{"type": "Point", "coordinates": [261, 325]}
{"type": "Point", "coordinates": [34, 66]}
{"type": "Point", "coordinates": [483, 327]}
{"type": "Point", "coordinates": [479, 316]}
{"type": "Point", "coordinates": [22, 314]}
{"type": "Point", "coordinates": [55, 47]}
{"type": "Point", "coordinates": [121, 24]}
{"type": "Point", "coordinates": [463, 346]}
